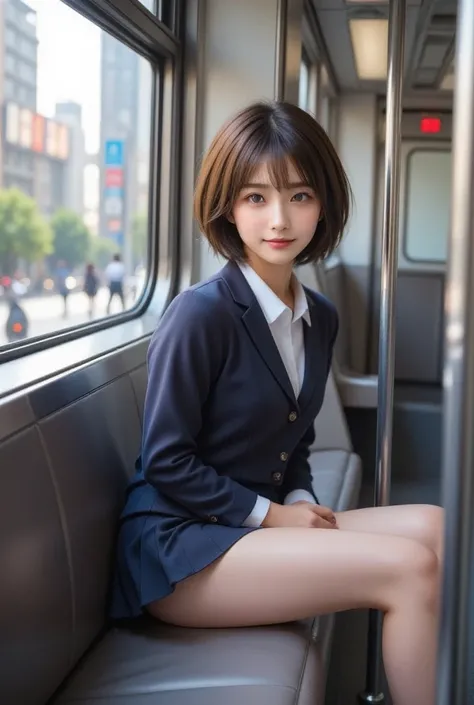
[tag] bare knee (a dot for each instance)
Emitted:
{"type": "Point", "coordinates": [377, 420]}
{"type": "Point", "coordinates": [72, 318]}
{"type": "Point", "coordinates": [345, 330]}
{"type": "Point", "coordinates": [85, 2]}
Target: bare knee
{"type": "Point", "coordinates": [433, 521]}
{"type": "Point", "coordinates": [417, 576]}
{"type": "Point", "coordinates": [433, 516]}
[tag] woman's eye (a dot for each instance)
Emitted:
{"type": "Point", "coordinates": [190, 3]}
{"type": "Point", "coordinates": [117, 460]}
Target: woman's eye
{"type": "Point", "coordinates": [300, 197]}
{"type": "Point", "coordinates": [255, 198]}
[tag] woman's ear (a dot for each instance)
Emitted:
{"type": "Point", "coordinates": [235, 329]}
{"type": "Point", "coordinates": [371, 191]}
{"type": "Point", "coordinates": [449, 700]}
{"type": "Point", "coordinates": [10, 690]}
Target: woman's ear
{"type": "Point", "coordinates": [230, 218]}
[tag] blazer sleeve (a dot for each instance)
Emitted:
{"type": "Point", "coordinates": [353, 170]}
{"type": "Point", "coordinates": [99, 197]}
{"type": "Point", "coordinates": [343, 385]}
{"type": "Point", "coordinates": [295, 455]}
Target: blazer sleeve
{"type": "Point", "coordinates": [298, 474]}
{"type": "Point", "coordinates": [184, 359]}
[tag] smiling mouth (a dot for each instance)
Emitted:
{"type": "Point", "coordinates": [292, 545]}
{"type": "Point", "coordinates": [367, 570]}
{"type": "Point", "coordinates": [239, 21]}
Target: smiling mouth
{"type": "Point", "coordinates": [279, 240]}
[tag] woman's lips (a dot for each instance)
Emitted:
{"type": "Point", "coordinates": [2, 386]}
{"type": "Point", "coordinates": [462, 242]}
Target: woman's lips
{"type": "Point", "coordinates": [279, 244]}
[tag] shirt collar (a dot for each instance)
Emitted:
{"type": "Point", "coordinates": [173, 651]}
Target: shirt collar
{"type": "Point", "coordinates": [269, 302]}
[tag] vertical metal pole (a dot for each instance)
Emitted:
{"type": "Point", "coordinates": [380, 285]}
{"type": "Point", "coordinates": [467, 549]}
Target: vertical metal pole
{"type": "Point", "coordinates": [396, 46]}
{"type": "Point", "coordinates": [458, 431]}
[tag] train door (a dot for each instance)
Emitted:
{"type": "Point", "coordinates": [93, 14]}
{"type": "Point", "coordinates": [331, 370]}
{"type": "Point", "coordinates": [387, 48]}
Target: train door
{"type": "Point", "coordinates": [423, 241]}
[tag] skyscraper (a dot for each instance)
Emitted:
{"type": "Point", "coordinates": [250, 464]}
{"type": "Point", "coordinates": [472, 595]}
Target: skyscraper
{"type": "Point", "coordinates": [118, 143]}
{"type": "Point", "coordinates": [70, 114]}
{"type": "Point", "coordinates": [36, 151]}
{"type": "Point", "coordinates": [18, 81]}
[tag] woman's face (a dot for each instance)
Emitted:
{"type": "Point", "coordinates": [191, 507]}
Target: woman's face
{"type": "Point", "coordinates": [275, 226]}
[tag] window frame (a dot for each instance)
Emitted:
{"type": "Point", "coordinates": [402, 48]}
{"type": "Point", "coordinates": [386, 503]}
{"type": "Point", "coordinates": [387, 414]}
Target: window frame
{"type": "Point", "coordinates": [132, 24]}
{"type": "Point", "coordinates": [406, 200]}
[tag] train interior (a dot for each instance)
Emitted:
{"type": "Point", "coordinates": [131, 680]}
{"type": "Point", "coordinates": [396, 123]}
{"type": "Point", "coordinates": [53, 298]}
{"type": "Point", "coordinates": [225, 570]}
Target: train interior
{"type": "Point", "coordinates": [71, 398]}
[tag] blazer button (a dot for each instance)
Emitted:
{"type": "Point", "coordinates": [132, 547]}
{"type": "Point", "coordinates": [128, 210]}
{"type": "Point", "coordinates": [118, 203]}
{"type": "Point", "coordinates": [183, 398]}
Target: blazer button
{"type": "Point", "coordinates": [213, 519]}
{"type": "Point", "coordinates": [284, 457]}
{"type": "Point", "coordinates": [293, 416]}
{"type": "Point", "coordinates": [276, 476]}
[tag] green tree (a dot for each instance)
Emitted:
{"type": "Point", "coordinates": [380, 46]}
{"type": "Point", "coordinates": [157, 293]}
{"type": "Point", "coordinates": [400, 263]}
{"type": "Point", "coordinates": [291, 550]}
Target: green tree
{"type": "Point", "coordinates": [23, 232]}
{"type": "Point", "coordinates": [139, 238]}
{"type": "Point", "coordinates": [101, 251]}
{"type": "Point", "coordinates": [71, 238]}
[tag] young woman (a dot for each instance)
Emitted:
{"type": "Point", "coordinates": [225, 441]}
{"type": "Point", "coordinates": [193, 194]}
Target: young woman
{"type": "Point", "coordinates": [222, 526]}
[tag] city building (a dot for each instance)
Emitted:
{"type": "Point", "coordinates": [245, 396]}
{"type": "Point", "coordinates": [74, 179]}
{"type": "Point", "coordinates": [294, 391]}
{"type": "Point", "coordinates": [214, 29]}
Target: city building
{"type": "Point", "coordinates": [118, 143]}
{"type": "Point", "coordinates": [70, 114]}
{"type": "Point", "coordinates": [36, 156]}
{"type": "Point", "coordinates": [41, 157]}
{"type": "Point", "coordinates": [18, 85]}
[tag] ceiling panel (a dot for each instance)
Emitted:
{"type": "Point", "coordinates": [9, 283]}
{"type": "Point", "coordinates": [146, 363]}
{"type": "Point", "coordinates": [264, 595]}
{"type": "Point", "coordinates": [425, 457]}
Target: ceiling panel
{"type": "Point", "coordinates": [335, 29]}
{"type": "Point", "coordinates": [429, 38]}
{"type": "Point", "coordinates": [344, 5]}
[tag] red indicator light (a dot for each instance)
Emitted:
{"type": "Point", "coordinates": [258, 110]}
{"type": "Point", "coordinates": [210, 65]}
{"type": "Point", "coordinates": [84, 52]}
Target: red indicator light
{"type": "Point", "coordinates": [17, 327]}
{"type": "Point", "coordinates": [430, 125]}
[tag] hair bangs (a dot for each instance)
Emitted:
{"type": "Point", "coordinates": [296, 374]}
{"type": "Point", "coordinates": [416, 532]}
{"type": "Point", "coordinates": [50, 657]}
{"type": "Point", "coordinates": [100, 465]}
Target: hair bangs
{"type": "Point", "coordinates": [273, 151]}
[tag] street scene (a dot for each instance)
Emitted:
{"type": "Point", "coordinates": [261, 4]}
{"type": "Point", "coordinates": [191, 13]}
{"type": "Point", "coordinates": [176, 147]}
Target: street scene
{"type": "Point", "coordinates": [74, 170]}
{"type": "Point", "coordinates": [46, 314]}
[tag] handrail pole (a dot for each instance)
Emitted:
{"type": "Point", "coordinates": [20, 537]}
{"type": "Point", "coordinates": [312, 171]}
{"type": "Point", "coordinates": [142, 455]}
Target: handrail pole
{"type": "Point", "coordinates": [458, 381]}
{"type": "Point", "coordinates": [389, 265]}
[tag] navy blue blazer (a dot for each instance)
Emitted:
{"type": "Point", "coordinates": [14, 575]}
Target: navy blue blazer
{"type": "Point", "coordinates": [221, 421]}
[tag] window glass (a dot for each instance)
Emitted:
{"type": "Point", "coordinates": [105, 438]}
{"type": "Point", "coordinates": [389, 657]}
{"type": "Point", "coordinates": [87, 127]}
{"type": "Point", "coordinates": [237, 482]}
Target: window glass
{"type": "Point", "coordinates": [428, 205]}
{"type": "Point", "coordinates": [149, 4]}
{"type": "Point", "coordinates": [75, 176]}
{"type": "Point", "coordinates": [303, 97]}
{"type": "Point", "coordinates": [324, 107]}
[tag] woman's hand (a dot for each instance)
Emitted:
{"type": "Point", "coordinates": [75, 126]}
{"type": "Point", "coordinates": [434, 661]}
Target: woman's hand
{"type": "Point", "coordinates": [300, 514]}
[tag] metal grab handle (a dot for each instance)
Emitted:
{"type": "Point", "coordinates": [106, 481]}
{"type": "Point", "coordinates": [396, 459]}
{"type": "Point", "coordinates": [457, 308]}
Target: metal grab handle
{"type": "Point", "coordinates": [458, 380]}
{"type": "Point", "coordinates": [389, 265]}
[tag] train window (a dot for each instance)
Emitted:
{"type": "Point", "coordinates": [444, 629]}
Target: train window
{"type": "Point", "coordinates": [427, 205]}
{"type": "Point", "coordinates": [303, 97]}
{"type": "Point", "coordinates": [75, 177]}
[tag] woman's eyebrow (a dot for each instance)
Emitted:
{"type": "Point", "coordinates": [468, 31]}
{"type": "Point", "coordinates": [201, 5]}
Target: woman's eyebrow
{"type": "Point", "coordinates": [295, 184]}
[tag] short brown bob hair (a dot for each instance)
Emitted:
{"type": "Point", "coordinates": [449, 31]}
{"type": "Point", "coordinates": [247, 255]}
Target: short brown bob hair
{"type": "Point", "coordinates": [274, 132]}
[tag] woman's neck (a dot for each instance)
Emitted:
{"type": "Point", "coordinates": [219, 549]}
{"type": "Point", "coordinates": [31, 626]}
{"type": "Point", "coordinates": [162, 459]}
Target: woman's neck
{"type": "Point", "coordinates": [277, 277]}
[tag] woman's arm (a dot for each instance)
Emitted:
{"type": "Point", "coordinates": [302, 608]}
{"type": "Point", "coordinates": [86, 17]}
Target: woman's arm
{"type": "Point", "coordinates": [184, 359]}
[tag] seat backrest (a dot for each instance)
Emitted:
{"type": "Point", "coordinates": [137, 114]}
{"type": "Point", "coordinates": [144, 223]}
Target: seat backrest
{"type": "Point", "coordinates": [65, 460]}
{"type": "Point", "coordinates": [331, 427]}
{"type": "Point", "coordinates": [333, 285]}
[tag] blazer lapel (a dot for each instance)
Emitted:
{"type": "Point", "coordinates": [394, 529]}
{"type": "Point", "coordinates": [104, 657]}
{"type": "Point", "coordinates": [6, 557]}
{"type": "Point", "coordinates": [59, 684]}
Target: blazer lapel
{"type": "Point", "coordinates": [257, 326]}
{"type": "Point", "coordinates": [262, 338]}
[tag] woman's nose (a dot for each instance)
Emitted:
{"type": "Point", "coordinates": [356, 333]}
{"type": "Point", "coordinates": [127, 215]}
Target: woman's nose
{"type": "Point", "coordinates": [279, 218]}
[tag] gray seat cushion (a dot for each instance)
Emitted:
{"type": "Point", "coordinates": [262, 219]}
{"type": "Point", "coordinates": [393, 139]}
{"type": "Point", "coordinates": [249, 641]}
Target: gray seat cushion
{"type": "Point", "coordinates": [154, 664]}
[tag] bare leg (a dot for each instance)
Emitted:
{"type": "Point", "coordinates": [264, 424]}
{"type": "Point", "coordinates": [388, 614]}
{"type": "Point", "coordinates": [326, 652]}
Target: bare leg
{"type": "Point", "coordinates": [281, 575]}
{"type": "Point", "coordinates": [421, 522]}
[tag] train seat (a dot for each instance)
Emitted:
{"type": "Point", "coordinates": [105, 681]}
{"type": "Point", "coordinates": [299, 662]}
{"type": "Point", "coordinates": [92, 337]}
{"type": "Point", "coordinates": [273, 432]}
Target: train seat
{"type": "Point", "coordinates": [64, 478]}
{"type": "Point", "coordinates": [355, 389]}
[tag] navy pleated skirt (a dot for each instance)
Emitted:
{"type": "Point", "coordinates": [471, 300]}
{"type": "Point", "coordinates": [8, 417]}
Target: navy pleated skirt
{"type": "Point", "coordinates": [155, 552]}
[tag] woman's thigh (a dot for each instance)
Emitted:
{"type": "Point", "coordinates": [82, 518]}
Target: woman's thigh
{"type": "Point", "coordinates": [279, 575]}
{"type": "Point", "coordinates": [420, 522]}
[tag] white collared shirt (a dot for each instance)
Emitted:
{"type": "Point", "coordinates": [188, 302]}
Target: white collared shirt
{"type": "Point", "coordinates": [286, 327]}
